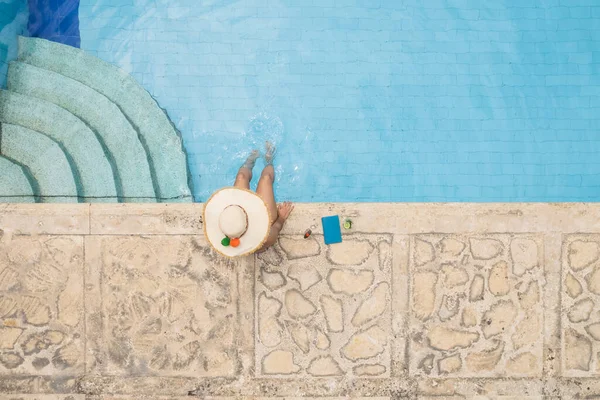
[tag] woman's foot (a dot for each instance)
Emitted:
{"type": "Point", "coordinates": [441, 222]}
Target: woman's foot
{"type": "Point", "coordinates": [251, 160]}
{"type": "Point", "coordinates": [270, 154]}
{"type": "Point", "coordinates": [284, 210]}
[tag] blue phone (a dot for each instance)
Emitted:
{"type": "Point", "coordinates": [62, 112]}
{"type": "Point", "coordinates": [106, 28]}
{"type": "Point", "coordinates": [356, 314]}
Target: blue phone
{"type": "Point", "coordinates": [331, 229]}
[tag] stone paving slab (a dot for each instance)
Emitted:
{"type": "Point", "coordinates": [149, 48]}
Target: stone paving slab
{"type": "Point", "coordinates": [55, 219]}
{"type": "Point", "coordinates": [457, 312]}
{"type": "Point", "coordinates": [324, 311]}
{"type": "Point", "coordinates": [397, 218]}
{"type": "Point", "coordinates": [160, 305]}
{"type": "Point", "coordinates": [147, 219]}
{"type": "Point", "coordinates": [580, 314]}
{"type": "Point", "coordinates": [42, 397]}
{"type": "Point", "coordinates": [111, 397]}
{"type": "Point", "coordinates": [480, 389]}
{"type": "Point", "coordinates": [41, 306]}
{"type": "Point", "coordinates": [476, 305]}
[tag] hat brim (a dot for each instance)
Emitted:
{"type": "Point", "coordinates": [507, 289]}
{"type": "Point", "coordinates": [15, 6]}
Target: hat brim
{"type": "Point", "coordinates": [259, 221]}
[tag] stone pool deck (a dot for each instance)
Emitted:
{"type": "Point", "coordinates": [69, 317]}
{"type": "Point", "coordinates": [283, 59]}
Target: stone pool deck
{"type": "Point", "coordinates": [420, 301]}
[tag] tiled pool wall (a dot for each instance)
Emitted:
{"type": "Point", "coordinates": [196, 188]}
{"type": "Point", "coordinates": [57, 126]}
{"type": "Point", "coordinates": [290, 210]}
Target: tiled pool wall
{"type": "Point", "coordinates": [13, 22]}
{"type": "Point", "coordinates": [374, 100]}
{"type": "Point", "coordinates": [56, 20]}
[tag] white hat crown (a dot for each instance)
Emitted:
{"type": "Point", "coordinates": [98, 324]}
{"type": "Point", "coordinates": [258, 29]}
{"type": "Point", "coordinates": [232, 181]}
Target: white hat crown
{"type": "Point", "coordinates": [233, 221]}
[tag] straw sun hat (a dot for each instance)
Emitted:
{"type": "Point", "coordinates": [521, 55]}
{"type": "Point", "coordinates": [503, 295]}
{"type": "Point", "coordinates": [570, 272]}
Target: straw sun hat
{"type": "Point", "coordinates": [236, 222]}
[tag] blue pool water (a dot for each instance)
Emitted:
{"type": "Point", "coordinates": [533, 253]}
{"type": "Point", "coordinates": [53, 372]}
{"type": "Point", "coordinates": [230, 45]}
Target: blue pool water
{"type": "Point", "coordinates": [373, 100]}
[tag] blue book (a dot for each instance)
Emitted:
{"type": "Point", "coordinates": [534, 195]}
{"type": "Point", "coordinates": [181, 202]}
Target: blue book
{"type": "Point", "coordinates": [331, 229]}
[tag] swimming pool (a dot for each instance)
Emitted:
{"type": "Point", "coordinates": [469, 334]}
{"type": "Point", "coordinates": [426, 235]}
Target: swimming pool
{"type": "Point", "coordinates": [442, 100]}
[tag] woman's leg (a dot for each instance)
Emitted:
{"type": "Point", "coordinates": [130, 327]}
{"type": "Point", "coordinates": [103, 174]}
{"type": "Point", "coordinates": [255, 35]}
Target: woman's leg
{"type": "Point", "coordinates": [265, 183]}
{"type": "Point", "coordinates": [244, 175]}
{"type": "Point", "coordinates": [284, 211]}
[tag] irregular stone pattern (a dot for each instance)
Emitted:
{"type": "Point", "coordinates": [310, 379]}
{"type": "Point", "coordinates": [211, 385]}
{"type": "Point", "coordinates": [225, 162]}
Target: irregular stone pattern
{"type": "Point", "coordinates": [445, 339]}
{"type": "Point", "coordinates": [365, 345]}
{"type": "Point", "coordinates": [423, 294]}
{"type": "Point", "coordinates": [578, 351]}
{"type": "Point", "coordinates": [297, 305]}
{"type": "Point", "coordinates": [168, 305]}
{"type": "Point", "coordinates": [450, 364]}
{"type": "Point", "coordinates": [272, 280]}
{"type": "Point", "coordinates": [336, 308]}
{"type": "Point", "coordinates": [324, 366]}
{"type": "Point", "coordinates": [485, 248]}
{"type": "Point", "coordinates": [476, 304]}
{"type": "Point", "coordinates": [333, 311]}
{"type": "Point", "coordinates": [305, 275]}
{"type": "Point", "coordinates": [524, 255]}
{"type": "Point", "coordinates": [322, 341]}
{"type": "Point", "coordinates": [450, 306]}
{"type": "Point", "coordinates": [369, 370]}
{"type": "Point", "coordinates": [477, 287]}
{"type": "Point", "coordinates": [582, 253]}
{"type": "Point", "coordinates": [350, 252]}
{"type": "Point", "coordinates": [572, 286]}
{"type": "Point", "coordinates": [526, 331]}
{"type": "Point", "coordinates": [295, 248]}
{"type": "Point", "coordinates": [269, 328]}
{"type": "Point", "coordinates": [522, 364]}
{"type": "Point", "coordinates": [279, 362]}
{"type": "Point", "coordinates": [498, 318]}
{"type": "Point", "coordinates": [41, 305]}
{"type": "Point", "coordinates": [454, 276]}
{"type": "Point", "coordinates": [580, 312]}
{"type": "Point", "coordinates": [498, 279]}
{"type": "Point", "coordinates": [373, 306]}
{"type": "Point", "coordinates": [423, 252]}
{"type": "Point", "coordinates": [300, 335]}
{"type": "Point", "coordinates": [350, 281]}
{"type": "Point", "coordinates": [486, 360]}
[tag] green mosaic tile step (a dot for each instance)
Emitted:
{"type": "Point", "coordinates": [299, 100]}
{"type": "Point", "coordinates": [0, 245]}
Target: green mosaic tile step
{"type": "Point", "coordinates": [15, 186]}
{"type": "Point", "coordinates": [121, 143]}
{"type": "Point", "coordinates": [161, 140]}
{"type": "Point", "coordinates": [44, 159]}
{"type": "Point", "coordinates": [91, 168]}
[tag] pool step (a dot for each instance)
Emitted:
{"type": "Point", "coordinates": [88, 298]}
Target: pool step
{"type": "Point", "coordinates": [44, 159]}
{"type": "Point", "coordinates": [91, 169]}
{"type": "Point", "coordinates": [161, 140]}
{"type": "Point", "coordinates": [121, 143]}
{"type": "Point", "coordinates": [15, 186]}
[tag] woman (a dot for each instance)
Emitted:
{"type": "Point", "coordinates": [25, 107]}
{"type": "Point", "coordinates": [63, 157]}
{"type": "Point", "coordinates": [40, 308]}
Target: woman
{"type": "Point", "coordinates": [239, 222]}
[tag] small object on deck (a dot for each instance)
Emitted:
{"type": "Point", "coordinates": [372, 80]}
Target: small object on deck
{"type": "Point", "coordinates": [347, 224]}
{"type": "Point", "coordinates": [235, 242]}
{"type": "Point", "coordinates": [307, 233]}
{"type": "Point", "coordinates": [332, 232]}
{"type": "Point", "coordinates": [225, 242]}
